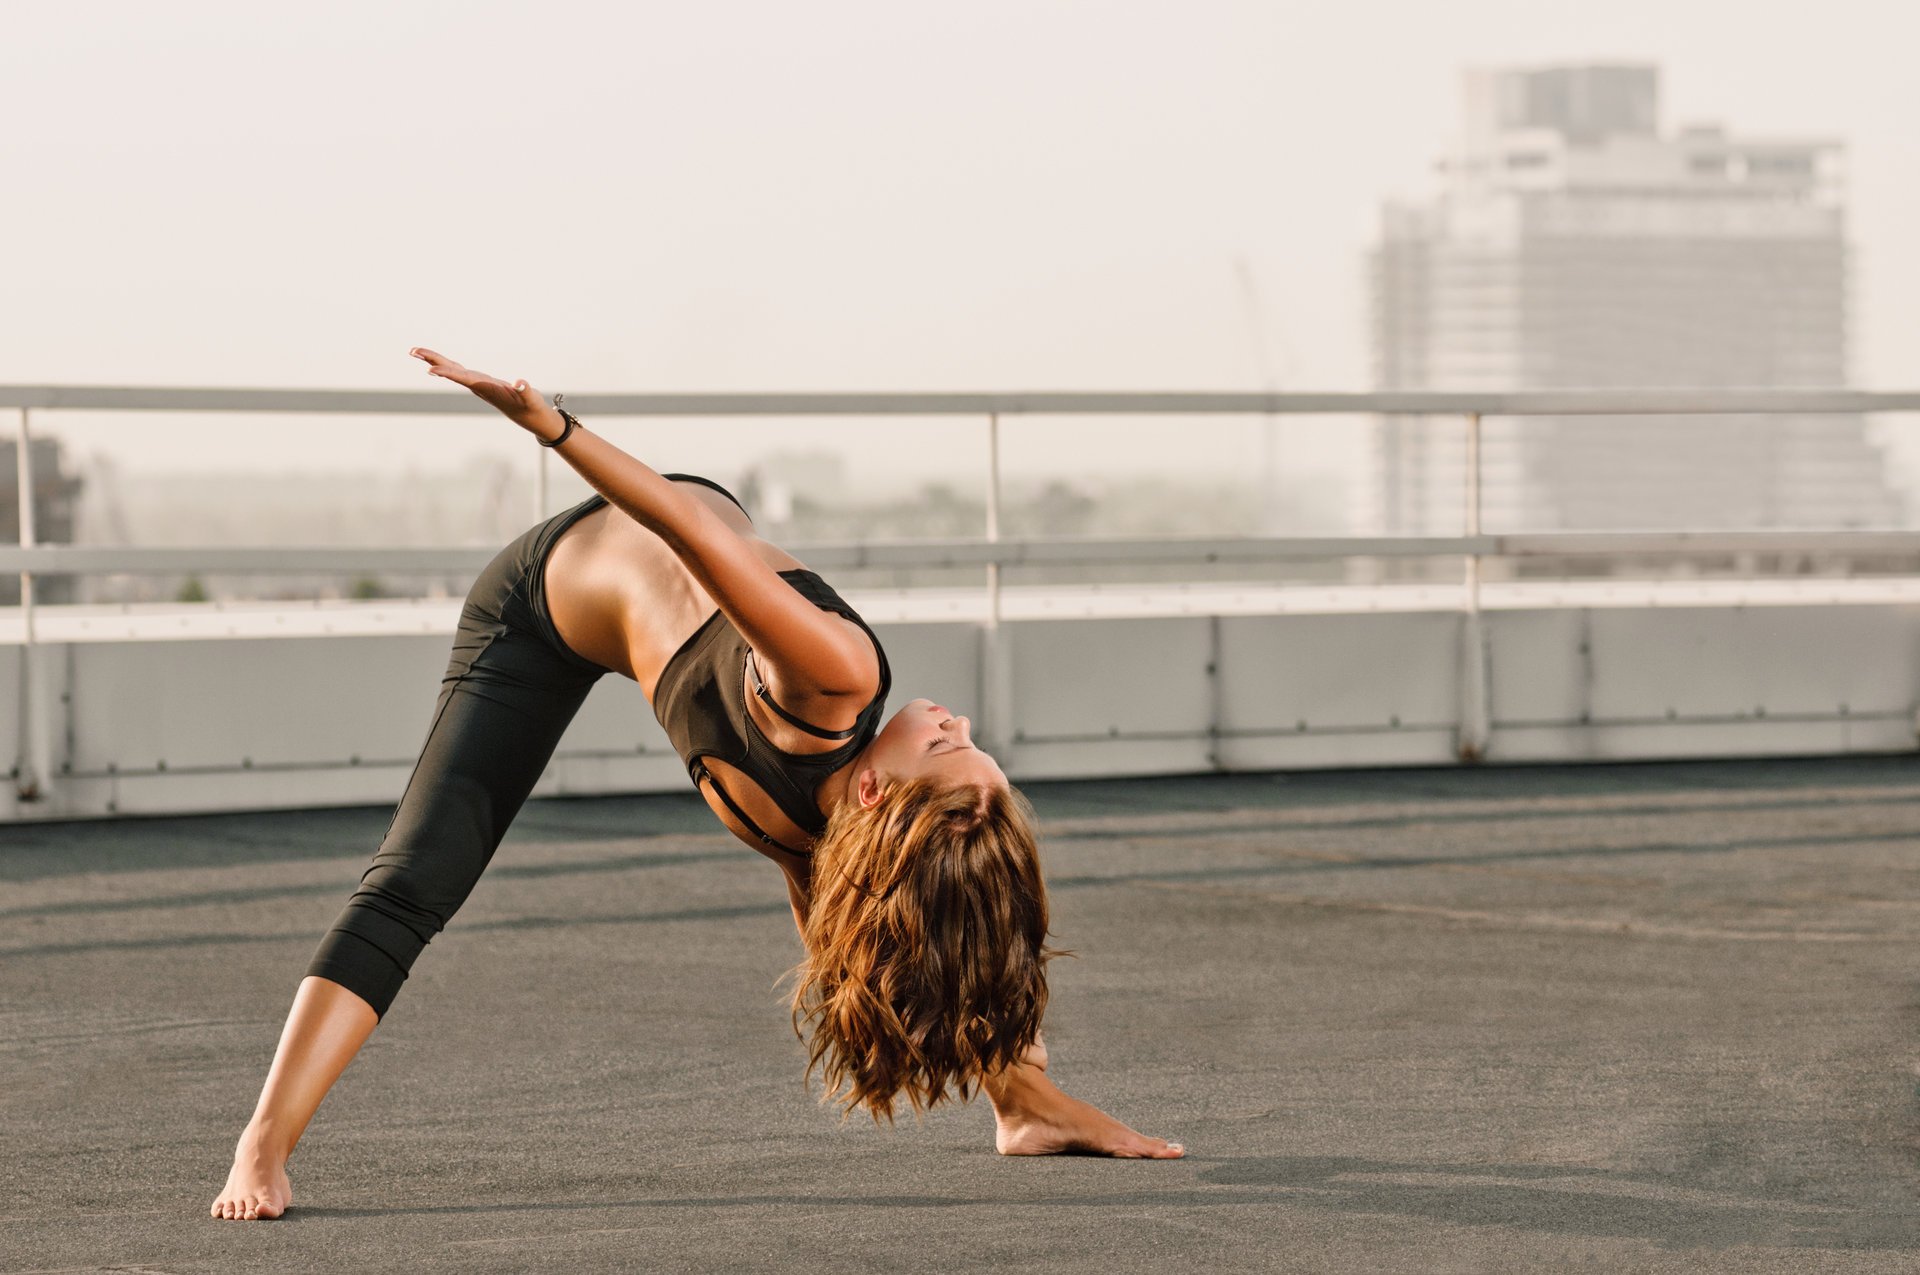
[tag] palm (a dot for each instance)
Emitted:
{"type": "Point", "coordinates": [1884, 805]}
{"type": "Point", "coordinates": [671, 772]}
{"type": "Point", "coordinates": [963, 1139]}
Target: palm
{"type": "Point", "coordinates": [518, 400]}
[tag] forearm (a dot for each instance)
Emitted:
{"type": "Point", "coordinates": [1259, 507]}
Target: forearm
{"type": "Point", "coordinates": [634, 487]}
{"type": "Point", "coordinates": [797, 896]}
{"type": "Point", "coordinates": [778, 622]}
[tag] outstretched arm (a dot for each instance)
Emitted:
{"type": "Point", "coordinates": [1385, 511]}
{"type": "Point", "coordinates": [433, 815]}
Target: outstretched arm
{"type": "Point", "coordinates": [791, 633]}
{"type": "Point", "coordinates": [1033, 1117]}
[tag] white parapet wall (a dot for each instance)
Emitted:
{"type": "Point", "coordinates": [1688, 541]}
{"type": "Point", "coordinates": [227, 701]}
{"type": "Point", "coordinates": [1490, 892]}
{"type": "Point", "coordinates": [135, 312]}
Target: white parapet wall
{"type": "Point", "coordinates": [234, 708]}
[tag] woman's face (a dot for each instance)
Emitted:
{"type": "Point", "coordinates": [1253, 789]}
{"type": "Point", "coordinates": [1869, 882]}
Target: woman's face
{"type": "Point", "coordinates": [925, 739]}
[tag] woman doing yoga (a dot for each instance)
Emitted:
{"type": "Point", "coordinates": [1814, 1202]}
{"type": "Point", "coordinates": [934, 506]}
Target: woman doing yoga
{"type": "Point", "coordinates": [910, 860]}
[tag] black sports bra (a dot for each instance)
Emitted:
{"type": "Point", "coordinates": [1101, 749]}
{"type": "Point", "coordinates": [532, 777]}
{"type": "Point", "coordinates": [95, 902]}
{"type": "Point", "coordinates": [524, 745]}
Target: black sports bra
{"type": "Point", "coordinates": [700, 700]}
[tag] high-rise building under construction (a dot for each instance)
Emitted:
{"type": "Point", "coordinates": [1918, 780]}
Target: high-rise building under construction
{"type": "Point", "coordinates": [1572, 245]}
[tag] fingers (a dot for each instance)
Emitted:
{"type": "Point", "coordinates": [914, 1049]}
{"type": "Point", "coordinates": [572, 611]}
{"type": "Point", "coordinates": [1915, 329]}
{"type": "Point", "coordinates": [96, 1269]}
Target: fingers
{"type": "Point", "coordinates": [1155, 1148]}
{"type": "Point", "coordinates": [441, 365]}
{"type": "Point", "coordinates": [437, 364]}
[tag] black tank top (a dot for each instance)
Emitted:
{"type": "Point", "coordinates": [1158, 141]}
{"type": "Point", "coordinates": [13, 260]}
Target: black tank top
{"type": "Point", "coordinates": [701, 701]}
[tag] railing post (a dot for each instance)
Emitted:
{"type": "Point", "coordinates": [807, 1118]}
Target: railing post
{"type": "Point", "coordinates": [1475, 710]}
{"type": "Point", "coordinates": [540, 484]}
{"type": "Point", "coordinates": [31, 780]}
{"type": "Point", "coordinates": [997, 678]}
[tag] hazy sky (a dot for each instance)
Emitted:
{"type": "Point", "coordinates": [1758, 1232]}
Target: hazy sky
{"type": "Point", "coordinates": [832, 195]}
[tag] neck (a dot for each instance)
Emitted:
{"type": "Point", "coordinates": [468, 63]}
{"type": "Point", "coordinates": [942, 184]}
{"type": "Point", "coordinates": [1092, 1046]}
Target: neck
{"type": "Point", "coordinates": [838, 786]}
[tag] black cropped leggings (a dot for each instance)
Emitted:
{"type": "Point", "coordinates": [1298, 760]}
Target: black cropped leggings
{"type": "Point", "coordinates": [510, 689]}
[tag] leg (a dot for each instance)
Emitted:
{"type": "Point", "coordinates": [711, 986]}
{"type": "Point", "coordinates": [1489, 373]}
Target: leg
{"type": "Point", "coordinates": [506, 700]}
{"type": "Point", "coordinates": [324, 1031]}
{"type": "Point", "coordinates": [498, 722]}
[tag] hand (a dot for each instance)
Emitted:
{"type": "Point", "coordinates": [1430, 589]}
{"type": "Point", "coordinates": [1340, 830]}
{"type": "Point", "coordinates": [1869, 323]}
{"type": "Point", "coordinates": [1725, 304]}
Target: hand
{"type": "Point", "coordinates": [520, 402]}
{"type": "Point", "coordinates": [1048, 1122]}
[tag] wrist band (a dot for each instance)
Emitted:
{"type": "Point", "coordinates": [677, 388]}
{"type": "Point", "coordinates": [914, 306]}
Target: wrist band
{"type": "Point", "coordinates": [573, 423]}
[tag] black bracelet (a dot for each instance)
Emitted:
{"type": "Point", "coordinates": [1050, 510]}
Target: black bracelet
{"type": "Point", "coordinates": [573, 423]}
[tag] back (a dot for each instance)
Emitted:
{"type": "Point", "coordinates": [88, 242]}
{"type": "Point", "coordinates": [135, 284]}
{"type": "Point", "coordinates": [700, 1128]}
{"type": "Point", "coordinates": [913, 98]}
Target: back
{"type": "Point", "coordinates": [700, 700]}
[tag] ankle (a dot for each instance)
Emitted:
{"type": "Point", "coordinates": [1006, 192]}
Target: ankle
{"type": "Point", "coordinates": [263, 1139]}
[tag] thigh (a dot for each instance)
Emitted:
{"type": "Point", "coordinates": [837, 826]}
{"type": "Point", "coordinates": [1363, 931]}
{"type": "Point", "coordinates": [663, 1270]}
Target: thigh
{"type": "Point", "coordinates": [504, 703]}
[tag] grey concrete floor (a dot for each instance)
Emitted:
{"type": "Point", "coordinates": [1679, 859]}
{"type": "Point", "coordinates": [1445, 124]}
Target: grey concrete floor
{"type": "Point", "coordinates": [1617, 1018]}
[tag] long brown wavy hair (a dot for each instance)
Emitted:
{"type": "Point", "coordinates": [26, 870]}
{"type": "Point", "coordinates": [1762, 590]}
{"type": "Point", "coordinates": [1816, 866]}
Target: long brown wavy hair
{"type": "Point", "coordinates": [926, 945]}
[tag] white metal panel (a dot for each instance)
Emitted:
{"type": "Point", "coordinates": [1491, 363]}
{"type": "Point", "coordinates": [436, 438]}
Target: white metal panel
{"type": "Point", "coordinates": [1754, 737]}
{"type": "Point", "coordinates": [1539, 668]}
{"type": "Point", "coordinates": [1394, 669]}
{"type": "Point", "coordinates": [1701, 662]}
{"type": "Point", "coordinates": [234, 704]}
{"type": "Point", "coordinates": [9, 697]}
{"type": "Point", "coordinates": [178, 792]}
{"type": "Point", "coordinates": [1082, 679]}
{"type": "Point", "coordinates": [302, 709]}
{"type": "Point", "coordinates": [1337, 749]}
{"type": "Point", "coordinates": [10, 713]}
{"type": "Point", "coordinates": [1093, 758]}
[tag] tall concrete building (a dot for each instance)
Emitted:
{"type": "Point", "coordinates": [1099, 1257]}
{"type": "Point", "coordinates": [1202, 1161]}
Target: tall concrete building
{"type": "Point", "coordinates": [1573, 245]}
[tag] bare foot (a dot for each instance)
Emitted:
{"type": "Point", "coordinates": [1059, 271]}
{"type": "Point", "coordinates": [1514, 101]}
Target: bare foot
{"type": "Point", "coordinates": [258, 1186]}
{"type": "Point", "coordinates": [1069, 1125]}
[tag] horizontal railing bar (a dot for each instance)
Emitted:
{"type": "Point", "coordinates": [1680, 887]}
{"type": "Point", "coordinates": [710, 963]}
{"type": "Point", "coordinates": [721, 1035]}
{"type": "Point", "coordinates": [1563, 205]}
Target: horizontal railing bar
{"type": "Point", "coordinates": [124, 560]}
{"type": "Point", "coordinates": [1047, 403]}
{"type": "Point", "coordinates": [90, 560]}
{"type": "Point", "coordinates": [1590, 543]}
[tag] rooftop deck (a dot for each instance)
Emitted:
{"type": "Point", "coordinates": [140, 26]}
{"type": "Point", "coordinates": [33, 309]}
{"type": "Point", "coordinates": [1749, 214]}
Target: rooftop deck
{"type": "Point", "coordinates": [1654, 1017]}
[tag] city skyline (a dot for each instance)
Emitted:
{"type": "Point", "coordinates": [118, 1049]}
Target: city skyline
{"type": "Point", "coordinates": [1579, 244]}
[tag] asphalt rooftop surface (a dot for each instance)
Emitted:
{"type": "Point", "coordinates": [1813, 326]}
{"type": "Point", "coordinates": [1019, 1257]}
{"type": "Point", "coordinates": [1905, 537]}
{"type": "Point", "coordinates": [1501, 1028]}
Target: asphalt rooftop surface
{"type": "Point", "coordinates": [1655, 1017]}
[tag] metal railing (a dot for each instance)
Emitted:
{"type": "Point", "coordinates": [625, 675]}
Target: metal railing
{"type": "Point", "coordinates": [991, 552]}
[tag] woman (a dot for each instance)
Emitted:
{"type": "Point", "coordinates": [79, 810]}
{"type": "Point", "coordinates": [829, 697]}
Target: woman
{"type": "Point", "coordinates": [910, 860]}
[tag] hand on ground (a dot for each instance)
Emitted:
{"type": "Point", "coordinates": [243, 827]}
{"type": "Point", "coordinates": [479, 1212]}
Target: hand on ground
{"type": "Point", "coordinates": [1069, 1126]}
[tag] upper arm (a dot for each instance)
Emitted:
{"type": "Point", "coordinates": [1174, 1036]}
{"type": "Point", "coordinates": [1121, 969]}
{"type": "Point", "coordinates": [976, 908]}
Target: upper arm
{"type": "Point", "coordinates": [803, 642]}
